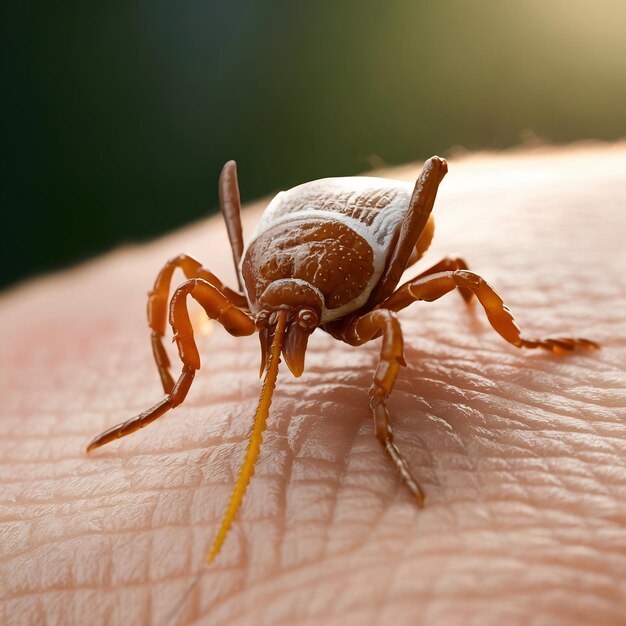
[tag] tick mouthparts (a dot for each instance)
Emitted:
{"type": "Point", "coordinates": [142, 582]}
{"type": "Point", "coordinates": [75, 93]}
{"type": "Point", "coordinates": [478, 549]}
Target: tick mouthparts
{"type": "Point", "coordinates": [294, 345]}
{"type": "Point", "coordinates": [294, 348]}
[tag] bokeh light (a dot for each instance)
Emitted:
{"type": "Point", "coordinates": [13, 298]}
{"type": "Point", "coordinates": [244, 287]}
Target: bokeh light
{"type": "Point", "coordinates": [117, 117]}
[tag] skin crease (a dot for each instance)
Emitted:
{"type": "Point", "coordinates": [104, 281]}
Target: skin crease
{"type": "Point", "coordinates": [522, 454]}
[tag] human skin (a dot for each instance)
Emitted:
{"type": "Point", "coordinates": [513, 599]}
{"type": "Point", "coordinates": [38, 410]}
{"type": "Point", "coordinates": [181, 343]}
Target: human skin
{"type": "Point", "coordinates": [522, 455]}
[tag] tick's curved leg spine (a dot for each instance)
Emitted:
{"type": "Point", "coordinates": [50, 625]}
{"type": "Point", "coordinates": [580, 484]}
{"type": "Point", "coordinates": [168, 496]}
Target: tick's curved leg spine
{"type": "Point", "coordinates": [158, 301]}
{"type": "Point", "coordinates": [423, 243]}
{"type": "Point", "coordinates": [217, 307]}
{"type": "Point", "coordinates": [435, 286]}
{"type": "Point", "coordinates": [418, 213]}
{"type": "Point", "coordinates": [230, 205]}
{"type": "Point", "coordinates": [358, 331]}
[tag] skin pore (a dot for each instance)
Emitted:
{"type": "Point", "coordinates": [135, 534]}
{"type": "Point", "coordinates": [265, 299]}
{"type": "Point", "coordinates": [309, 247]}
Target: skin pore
{"type": "Point", "coordinates": [522, 455]}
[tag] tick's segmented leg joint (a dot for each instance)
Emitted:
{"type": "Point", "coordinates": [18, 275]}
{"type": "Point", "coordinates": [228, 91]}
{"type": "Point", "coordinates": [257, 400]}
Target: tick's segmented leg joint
{"type": "Point", "coordinates": [172, 400]}
{"type": "Point", "coordinates": [377, 395]}
{"type": "Point", "coordinates": [216, 305]}
{"type": "Point", "coordinates": [158, 305]}
{"type": "Point", "coordinates": [433, 286]}
{"type": "Point", "coordinates": [366, 327]}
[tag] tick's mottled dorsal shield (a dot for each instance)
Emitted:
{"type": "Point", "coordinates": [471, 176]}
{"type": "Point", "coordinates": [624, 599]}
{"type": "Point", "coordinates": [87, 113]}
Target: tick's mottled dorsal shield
{"type": "Point", "coordinates": [327, 254]}
{"type": "Point", "coordinates": [333, 234]}
{"type": "Point", "coordinates": [341, 236]}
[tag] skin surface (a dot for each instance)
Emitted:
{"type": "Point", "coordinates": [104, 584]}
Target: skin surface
{"type": "Point", "coordinates": [522, 454]}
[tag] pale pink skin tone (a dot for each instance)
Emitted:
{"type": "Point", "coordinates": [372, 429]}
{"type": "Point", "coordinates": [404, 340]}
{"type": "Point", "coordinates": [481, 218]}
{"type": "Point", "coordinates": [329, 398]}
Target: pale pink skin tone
{"type": "Point", "coordinates": [522, 454]}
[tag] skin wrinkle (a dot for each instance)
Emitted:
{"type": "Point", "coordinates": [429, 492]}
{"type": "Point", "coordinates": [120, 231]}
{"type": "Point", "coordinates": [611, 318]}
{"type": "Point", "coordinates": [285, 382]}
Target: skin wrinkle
{"type": "Point", "coordinates": [290, 570]}
{"type": "Point", "coordinates": [525, 510]}
{"type": "Point", "coordinates": [390, 584]}
{"type": "Point", "coordinates": [322, 577]}
{"type": "Point", "coordinates": [341, 475]}
{"type": "Point", "coordinates": [296, 447]}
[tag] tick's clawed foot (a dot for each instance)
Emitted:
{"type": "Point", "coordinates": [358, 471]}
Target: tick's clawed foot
{"type": "Point", "coordinates": [403, 468]}
{"type": "Point", "coordinates": [560, 345]}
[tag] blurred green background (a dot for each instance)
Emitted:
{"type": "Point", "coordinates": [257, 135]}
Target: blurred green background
{"type": "Point", "coordinates": [117, 116]}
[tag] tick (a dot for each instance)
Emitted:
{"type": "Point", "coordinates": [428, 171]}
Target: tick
{"type": "Point", "coordinates": [326, 254]}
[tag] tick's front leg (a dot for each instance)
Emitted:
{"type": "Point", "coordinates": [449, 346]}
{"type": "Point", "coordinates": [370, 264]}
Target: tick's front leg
{"type": "Point", "coordinates": [171, 401]}
{"type": "Point", "coordinates": [157, 306]}
{"type": "Point", "coordinates": [414, 226]}
{"type": "Point", "coordinates": [358, 331]}
{"type": "Point", "coordinates": [230, 204]}
{"type": "Point", "coordinates": [217, 307]}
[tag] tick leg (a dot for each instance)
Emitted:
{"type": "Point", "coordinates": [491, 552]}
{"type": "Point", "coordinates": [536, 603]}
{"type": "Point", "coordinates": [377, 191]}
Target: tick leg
{"type": "Point", "coordinates": [230, 204]}
{"type": "Point", "coordinates": [449, 264]}
{"type": "Point", "coordinates": [172, 400]}
{"type": "Point", "coordinates": [359, 331]}
{"type": "Point", "coordinates": [157, 306]}
{"type": "Point", "coordinates": [217, 307]}
{"type": "Point", "coordinates": [414, 226]}
{"type": "Point", "coordinates": [435, 286]}
{"type": "Point", "coordinates": [423, 243]}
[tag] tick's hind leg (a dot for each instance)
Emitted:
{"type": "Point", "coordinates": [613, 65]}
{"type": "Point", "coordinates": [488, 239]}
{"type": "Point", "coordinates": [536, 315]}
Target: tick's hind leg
{"type": "Point", "coordinates": [449, 264]}
{"type": "Point", "coordinates": [435, 286]}
{"type": "Point", "coordinates": [217, 307]}
{"type": "Point", "coordinates": [358, 331]}
{"type": "Point", "coordinates": [157, 306]}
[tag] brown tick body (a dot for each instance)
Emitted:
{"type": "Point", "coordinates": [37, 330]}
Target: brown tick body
{"type": "Point", "coordinates": [327, 254]}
